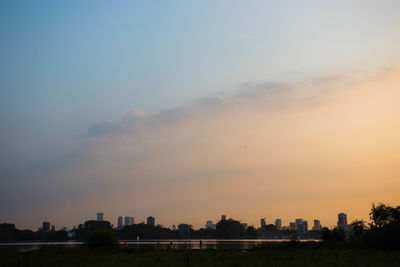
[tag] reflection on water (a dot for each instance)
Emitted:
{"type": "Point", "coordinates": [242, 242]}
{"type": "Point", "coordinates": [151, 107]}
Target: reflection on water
{"type": "Point", "coordinates": [164, 243]}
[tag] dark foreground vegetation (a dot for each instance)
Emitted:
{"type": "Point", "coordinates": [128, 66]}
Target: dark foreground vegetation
{"type": "Point", "coordinates": [373, 244]}
{"type": "Point", "coordinates": [267, 255]}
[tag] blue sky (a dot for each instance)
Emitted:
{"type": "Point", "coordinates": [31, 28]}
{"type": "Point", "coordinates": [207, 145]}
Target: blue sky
{"type": "Point", "coordinates": [68, 65]}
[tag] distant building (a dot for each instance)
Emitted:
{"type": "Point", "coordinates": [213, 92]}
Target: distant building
{"type": "Point", "coordinates": [64, 228]}
{"type": "Point", "coordinates": [278, 224]}
{"type": "Point", "coordinates": [46, 227]}
{"type": "Point", "coordinates": [120, 222]}
{"type": "Point", "coordinates": [342, 220]}
{"type": "Point", "coordinates": [184, 227]}
{"type": "Point", "coordinates": [301, 230]}
{"type": "Point", "coordinates": [99, 216]}
{"type": "Point", "coordinates": [263, 222]}
{"type": "Point", "coordinates": [223, 217]}
{"type": "Point", "coordinates": [292, 226]}
{"type": "Point", "coordinates": [210, 225]}
{"type": "Point", "coordinates": [151, 221]}
{"type": "Point", "coordinates": [301, 227]}
{"type": "Point", "coordinates": [244, 225]}
{"type": "Point", "coordinates": [53, 228]}
{"type": "Point", "coordinates": [317, 225]}
{"type": "Point", "coordinates": [174, 227]}
{"type": "Point", "coordinates": [298, 222]}
{"type": "Point", "coordinates": [129, 220]}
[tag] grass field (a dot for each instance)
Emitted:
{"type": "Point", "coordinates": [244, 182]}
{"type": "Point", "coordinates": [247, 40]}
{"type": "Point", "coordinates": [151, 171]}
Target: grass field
{"type": "Point", "coordinates": [265, 256]}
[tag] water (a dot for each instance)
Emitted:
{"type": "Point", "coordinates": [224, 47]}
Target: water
{"type": "Point", "coordinates": [161, 243]}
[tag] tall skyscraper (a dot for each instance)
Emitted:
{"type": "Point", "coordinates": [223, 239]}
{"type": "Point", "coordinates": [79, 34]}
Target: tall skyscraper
{"type": "Point", "coordinates": [305, 224]}
{"type": "Point", "coordinates": [301, 229]}
{"type": "Point", "coordinates": [317, 225]}
{"type": "Point", "coordinates": [342, 220]}
{"type": "Point", "coordinates": [223, 217]}
{"type": "Point", "coordinates": [129, 220]}
{"type": "Point", "coordinates": [292, 226]}
{"type": "Point", "coordinates": [298, 222]}
{"type": "Point", "coordinates": [278, 224]}
{"type": "Point", "coordinates": [120, 222]}
{"type": "Point", "coordinates": [151, 221]}
{"type": "Point", "coordinates": [46, 227]}
{"type": "Point", "coordinates": [263, 222]}
{"type": "Point", "coordinates": [99, 216]}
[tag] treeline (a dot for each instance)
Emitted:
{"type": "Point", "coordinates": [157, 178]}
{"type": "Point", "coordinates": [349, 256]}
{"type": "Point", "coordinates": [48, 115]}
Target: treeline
{"type": "Point", "coordinates": [383, 232]}
{"type": "Point", "coordinates": [8, 233]}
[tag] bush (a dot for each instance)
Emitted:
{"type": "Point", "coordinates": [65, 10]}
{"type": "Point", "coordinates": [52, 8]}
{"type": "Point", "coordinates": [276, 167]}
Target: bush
{"type": "Point", "coordinates": [101, 238]}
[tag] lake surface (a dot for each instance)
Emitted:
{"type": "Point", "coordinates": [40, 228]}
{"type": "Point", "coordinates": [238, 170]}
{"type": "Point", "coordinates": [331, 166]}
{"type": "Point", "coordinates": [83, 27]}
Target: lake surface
{"type": "Point", "coordinates": [161, 243]}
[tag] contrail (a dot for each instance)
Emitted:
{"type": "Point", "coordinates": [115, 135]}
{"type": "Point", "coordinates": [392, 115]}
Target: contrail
{"type": "Point", "coordinates": [244, 36]}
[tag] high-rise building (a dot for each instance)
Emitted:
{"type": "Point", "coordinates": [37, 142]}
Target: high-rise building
{"type": "Point", "coordinates": [317, 225]}
{"type": "Point", "coordinates": [174, 227]}
{"type": "Point", "coordinates": [151, 221]}
{"type": "Point", "coordinates": [210, 225]}
{"type": "Point", "coordinates": [305, 223]}
{"type": "Point", "coordinates": [120, 222]}
{"type": "Point", "coordinates": [99, 216]}
{"type": "Point", "coordinates": [129, 220]}
{"type": "Point", "coordinates": [292, 226]}
{"type": "Point", "coordinates": [245, 226]}
{"type": "Point", "coordinates": [301, 229]}
{"type": "Point", "coordinates": [46, 227]}
{"type": "Point", "coordinates": [53, 228]}
{"type": "Point", "coordinates": [263, 222]}
{"type": "Point", "coordinates": [278, 224]}
{"type": "Point", "coordinates": [298, 222]}
{"type": "Point", "coordinates": [342, 220]}
{"type": "Point", "coordinates": [223, 217]}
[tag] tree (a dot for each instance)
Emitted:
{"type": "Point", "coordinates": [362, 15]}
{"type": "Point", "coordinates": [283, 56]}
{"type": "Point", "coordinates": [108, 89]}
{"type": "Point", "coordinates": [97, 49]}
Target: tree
{"type": "Point", "coordinates": [251, 232]}
{"type": "Point", "coordinates": [383, 215]}
{"type": "Point", "coordinates": [385, 227]}
{"type": "Point", "coordinates": [227, 229]}
{"type": "Point", "coordinates": [359, 227]}
{"type": "Point", "coordinates": [101, 238]}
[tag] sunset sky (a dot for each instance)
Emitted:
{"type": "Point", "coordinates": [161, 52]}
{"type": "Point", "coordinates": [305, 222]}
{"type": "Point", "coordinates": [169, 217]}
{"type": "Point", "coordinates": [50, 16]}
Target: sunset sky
{"type": "Point", "coordinates": [187, 110]}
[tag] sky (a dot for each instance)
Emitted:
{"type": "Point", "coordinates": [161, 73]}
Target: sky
{"type": "Point", "coordinates": [187, 110]}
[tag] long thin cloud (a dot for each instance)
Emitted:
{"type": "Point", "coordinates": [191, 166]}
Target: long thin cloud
{"type": "Point", "coordinates": [244, 36]}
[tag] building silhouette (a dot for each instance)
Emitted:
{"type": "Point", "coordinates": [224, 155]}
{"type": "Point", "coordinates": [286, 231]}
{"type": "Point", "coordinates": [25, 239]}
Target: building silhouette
{"type": "Point", "coordinates": [151, 221]}
{"type": "Point", "coordinates": [210, 225]}
{"type": "Point", "coordinates": [46, 227]}
{"type": "Point", "coordinates": [99, 216]}
{"type": "Point", "coordinates": [278, 224]}
{"type": "Point", "coordinates": [120, 222]}
{"type": "Point", "coordinates": [129, 220]}
{"type": "Point", "coordinates": [223, 217]}
{"type": "Point", "coordinates": [263, 222]}
{"type": "Point", "coordinates": [317, 225]}
{"type": "Point", "coordinates": [342, 220]}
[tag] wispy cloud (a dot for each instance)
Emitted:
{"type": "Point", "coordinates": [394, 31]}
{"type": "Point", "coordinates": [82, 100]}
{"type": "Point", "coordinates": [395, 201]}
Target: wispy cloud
{"type": "Point", "coordinates": [244, 36]}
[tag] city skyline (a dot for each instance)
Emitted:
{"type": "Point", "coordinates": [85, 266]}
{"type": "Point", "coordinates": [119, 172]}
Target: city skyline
{"type": "Point", "coordinates": [121, 222]}
{"type": "Point", "coordinates": [188, 110]}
